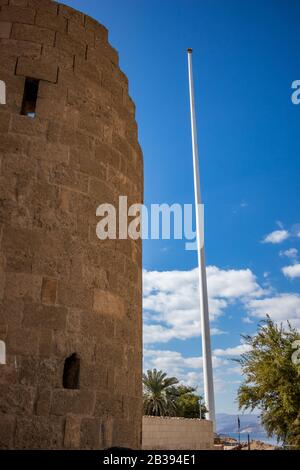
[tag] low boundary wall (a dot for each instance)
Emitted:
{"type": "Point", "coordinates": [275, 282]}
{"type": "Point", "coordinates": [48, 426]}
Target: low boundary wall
{"type": "Point", "coordinates": [177, 433]}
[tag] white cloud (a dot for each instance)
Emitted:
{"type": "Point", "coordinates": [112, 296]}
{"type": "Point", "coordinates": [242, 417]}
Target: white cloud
{"type": "Point", "coordinates": [171, 300]}
{"type": "Point", "coordinates": [188, 370]}
{"type": "Point", "coordinates": [277, 236]}
{"type": "Point", "coordinates": [292, 271]}
{"type": "Point", "coordinates": [235, 351]}
{"type": "Point", "coordinates": [247, 320]}
{"type": "Point", "coordinates": [280, 308]}
{"type": "Point", "coordinates": [296, 230]}
{"type": "Point", "coordinates": [172, 362]}
{"type": "Point", "coordinates": [290, 253]}
{"type": "Point", "coordinates": [157, 333]}
{"type": "Point", "coordinates": [232, 283]}
{"type": "Point", "coordinates": [175, 363]}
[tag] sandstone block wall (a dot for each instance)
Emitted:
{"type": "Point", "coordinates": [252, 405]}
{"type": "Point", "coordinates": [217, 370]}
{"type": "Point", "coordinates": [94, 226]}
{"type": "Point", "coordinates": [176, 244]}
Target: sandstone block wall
{"type": "Point", "coordinates": [63, 292]}
{"type": "Point", "coordinates": [177, 433]}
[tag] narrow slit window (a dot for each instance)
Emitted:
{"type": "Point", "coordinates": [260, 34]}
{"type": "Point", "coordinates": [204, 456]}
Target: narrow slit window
{"type": "Point", "coordinates": [71, 372]}
{"type": "Point", "coordinates": [31, 88]}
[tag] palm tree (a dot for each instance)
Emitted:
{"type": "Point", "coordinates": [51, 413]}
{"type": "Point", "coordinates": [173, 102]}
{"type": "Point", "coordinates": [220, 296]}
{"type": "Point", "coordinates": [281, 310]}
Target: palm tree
{"type": "Point", "coordinates": [158, 399]}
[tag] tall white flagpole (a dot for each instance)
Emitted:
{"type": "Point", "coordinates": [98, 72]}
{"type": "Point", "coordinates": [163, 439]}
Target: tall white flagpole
{"type": "Point", "coordinates": [203, 298]}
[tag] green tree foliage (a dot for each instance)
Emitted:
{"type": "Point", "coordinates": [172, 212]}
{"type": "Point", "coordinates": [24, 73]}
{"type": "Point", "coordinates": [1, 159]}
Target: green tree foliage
{"type": "Point", "coordinates": [164, 397]}
{"type": "Point", "coordinates": [272, 380]}
{"type": "Point", "coordinates": [157, 397]}
{"type": "Point", "coordinates": [187, 402]}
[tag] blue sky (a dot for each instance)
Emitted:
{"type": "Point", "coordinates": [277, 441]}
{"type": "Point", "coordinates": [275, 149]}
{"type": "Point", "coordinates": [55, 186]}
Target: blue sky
{"type": "Point", "coordinates": [246, 55]}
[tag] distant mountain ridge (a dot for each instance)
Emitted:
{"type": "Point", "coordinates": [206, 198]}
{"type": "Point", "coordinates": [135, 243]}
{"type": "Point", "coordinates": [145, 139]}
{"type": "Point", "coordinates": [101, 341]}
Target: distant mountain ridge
{"type": "Point", "coordinates": [227, 423]}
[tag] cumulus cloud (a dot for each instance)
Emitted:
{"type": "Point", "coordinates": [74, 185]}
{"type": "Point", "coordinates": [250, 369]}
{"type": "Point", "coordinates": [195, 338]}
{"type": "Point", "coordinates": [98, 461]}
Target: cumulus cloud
{"type": "Point", "coordinates": [231, 283]}
{"type": "Point", "coordinates": [292, 271]}
{"type": "Point", "coordinates": [172, 362]}
{"type": "Point", "coordinates": [295, 230]}
{"type": "Point", "coordinates": [291, 253]}
{"type": "Point", "coordinates": [189, 369]}
{"type": "Point", "coordinates": [171, 300]}
{"type": "Point", "coordinates": [233, 352]}
{"type": "Point", "coordinates": [247, 320]}
{"type": "Point", "coordinates": [175, 363]}
{"type": "Point", "coordinates": [280, 308]}
{"type": "Point", "coordinates": [156, 333]}
{"type": "Point", "coordinates": [277, 236]}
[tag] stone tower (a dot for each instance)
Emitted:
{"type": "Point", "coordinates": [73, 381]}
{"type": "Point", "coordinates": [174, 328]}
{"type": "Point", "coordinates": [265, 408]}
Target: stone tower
{"type": "Point", "coordinates": [70, 304]}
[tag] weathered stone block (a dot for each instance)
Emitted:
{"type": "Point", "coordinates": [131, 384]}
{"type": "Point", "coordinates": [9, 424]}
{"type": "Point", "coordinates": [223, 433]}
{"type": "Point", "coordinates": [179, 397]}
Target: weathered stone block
{"type": "Point", "coordinates": [2, 275]}
{"type": "Point", "coordinates": [62, 175]}
{"type": "Point", "coordinates": [72, 432]}
{"type": "Point", "coordinates": [101, 192]}
{"type": "Point", "coordinates": [16, 399]}
{"type": "Point", "coordinates": [104, 404]}
{"type": "Point", "coordinates": [71, 14]}
{"type": "Point", "coordinates": [19, 260]}
{"type": "Point", "coordinates": [13, 144]}
{"type": "Point", "coordinates": [45, 342]}
{"type": "Point", "coordinates": [49, 152]}
{"type": "Point", "coordinates": [22, 341]}
{"type": "Point", "coordinates": [23, 125]}
{"type": "Point", "coordinates": [91, 433]}
{"type": "Point", "coordinates": [44, 316]}
{"type": "Point", "coordinates": [66, 44]}
{"type": "Point", "coordinates": [108, 303]}
{"type": "Point", "coordinates": [92, 125]}
{"type": "Point", "coordinates": [43, 402]}
{"type": "Point", "coordinates": [39, 69]}
{"type": "Point", "coordinates": [45, 5]}
{"type": "Point", "coordinates": [50, 20]}
{"type": "Point", "coordinates": [17, 14]}
{"type": "Point", "coordinates": [7, 431]}
{"type": "Point", "coordinates": [49, 108]}
{"type": "Point", "coordinates": [5, 29]}
{"type": "Point", "coordinates": [32, 33]}
{"type": "Point", "coordinates": [49, 289]}
{"type": "Point", "coordinates": [100, 31]}
{"type": "Point", "coordinates": [93, 376]}
{"type": "Point", "coordinates": [107, 155]}
{"type": "Point", "coordinates": [19, 3]}
{"type": "Point", "coordinates": [23, 285]}
{"type": "Point", "coordinates": [65, 344]}
{"type": "Point", "coordinates": [74, 320]}
{"type": "Point", "coordinates": [121, 433]}
{"type": "Point", "coordinates": [4, 122]}
{"type": "Point", "coordinates": [64, 60]}
{"type": "Point", "coordinates": [11, 313]}
{"type": "Point", "coordinates": [107, 51]}
{"type": "Point", "coordinates": [81, 66]}
{"type": "Point", "coordinates": [86, 163]}
{"type": "Point", "coordinates": [79, 402]}
{"type": "Point", "coordinates": [79, 33]}
{"type": "Point", "coordinates": [39, 432]}
{"type": "Point", "coordinates": [16, 48]}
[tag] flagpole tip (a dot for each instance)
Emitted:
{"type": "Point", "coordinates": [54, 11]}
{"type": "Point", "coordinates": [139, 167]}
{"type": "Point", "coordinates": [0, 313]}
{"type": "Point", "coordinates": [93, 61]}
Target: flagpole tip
{"type": "Point", "coordinates": [190, 50]}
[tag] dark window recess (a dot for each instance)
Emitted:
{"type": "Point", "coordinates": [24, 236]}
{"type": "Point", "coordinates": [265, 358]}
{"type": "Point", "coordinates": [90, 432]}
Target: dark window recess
{"type": "Point", "coordinates": [30, 97]}
{"type": "Point", "coordinates": [71, 372]}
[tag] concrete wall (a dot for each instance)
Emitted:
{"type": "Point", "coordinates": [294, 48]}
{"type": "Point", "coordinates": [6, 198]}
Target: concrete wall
{"type": "Point", "coordinates": [177, 433]}
{"type": "Point", "coordinates": [62, 290]}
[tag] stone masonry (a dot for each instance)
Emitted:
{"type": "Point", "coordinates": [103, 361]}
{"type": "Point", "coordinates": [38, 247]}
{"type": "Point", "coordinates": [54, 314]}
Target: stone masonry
{"type": "Point", "coordinates": [167, 433]}
{"type": "Point", "coordinates": [70, 304]}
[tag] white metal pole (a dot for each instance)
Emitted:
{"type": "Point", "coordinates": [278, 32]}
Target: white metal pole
{"type": "Point", "coordinates": [204, 314]}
